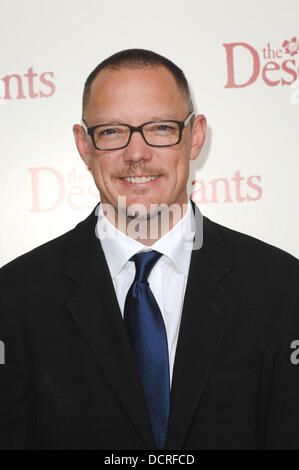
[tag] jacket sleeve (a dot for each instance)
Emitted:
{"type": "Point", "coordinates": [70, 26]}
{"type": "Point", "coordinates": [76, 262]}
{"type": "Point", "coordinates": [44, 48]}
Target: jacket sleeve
{"type": "Point", "coordinates": [283, 413]}
{"type": "Point", "coordinates": [17, 410]}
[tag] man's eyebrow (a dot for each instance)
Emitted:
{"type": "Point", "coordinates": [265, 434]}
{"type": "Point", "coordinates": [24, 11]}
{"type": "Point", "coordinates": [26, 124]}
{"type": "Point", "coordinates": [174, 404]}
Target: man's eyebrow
{"type": "Point", "coordinates": [165, 118]}
{"type": "Point", "coordinates": [115, 121]}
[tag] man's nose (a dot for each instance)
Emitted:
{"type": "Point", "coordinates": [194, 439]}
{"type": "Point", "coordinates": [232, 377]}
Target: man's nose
{"type": "Point", "coordinates": [137, 149]}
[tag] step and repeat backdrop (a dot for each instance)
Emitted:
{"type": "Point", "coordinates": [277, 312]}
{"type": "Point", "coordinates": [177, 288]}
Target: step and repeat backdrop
{"type": "Point", "coordinates": [242, 62]}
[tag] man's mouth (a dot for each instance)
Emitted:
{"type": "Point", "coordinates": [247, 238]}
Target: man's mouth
{"type": "Point", "coordinates": [140, 179]}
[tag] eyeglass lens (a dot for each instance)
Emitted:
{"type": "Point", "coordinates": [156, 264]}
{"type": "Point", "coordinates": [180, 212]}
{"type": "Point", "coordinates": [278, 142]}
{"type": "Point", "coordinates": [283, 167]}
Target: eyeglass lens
{"type": "Point", "coordinates": [163, 133]}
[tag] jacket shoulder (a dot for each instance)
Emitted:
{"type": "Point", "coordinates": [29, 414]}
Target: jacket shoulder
{"type": "Point", "coordinates": [249, 250]}
{"type": "Point", "coordinates": [51, 253]}
{"type": "Point", "coordinates": [38, 257]}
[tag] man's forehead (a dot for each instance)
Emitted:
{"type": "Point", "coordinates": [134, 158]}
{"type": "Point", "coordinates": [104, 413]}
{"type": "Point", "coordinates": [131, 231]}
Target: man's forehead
{"type": "Point", "coordinates": [148, 79]}
{"type": "Point", "coordinates": [153, 87]}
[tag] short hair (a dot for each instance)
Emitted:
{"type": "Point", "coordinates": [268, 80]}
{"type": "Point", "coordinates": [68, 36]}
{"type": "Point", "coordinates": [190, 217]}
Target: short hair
{"type": "Point", "coordinates": [138, 59]}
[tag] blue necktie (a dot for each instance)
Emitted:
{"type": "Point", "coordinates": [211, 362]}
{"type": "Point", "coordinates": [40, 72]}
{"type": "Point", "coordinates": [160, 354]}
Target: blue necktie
{"type": "Point", "coordinates": [146, 329]}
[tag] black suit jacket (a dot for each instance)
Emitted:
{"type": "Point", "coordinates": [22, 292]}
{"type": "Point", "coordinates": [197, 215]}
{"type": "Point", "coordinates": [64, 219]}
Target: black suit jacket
{"type": "Point", "coordinates": [70, 380]}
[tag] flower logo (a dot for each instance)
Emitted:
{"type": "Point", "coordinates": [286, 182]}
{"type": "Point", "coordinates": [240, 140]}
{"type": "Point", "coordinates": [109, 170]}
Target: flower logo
{"type": "Point", "coordinates": [291, 47]}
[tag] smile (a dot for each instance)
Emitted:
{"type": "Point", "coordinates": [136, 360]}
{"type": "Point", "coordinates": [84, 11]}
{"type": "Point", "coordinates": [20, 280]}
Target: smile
{"type": "Point", "coordinates": [140, 179]}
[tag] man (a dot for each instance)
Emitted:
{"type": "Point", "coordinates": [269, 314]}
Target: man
{"type": "Point", "coordinates": [115, 340]}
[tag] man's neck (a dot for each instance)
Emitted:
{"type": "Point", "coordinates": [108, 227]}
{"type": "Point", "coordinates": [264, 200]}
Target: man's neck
{"type": "Point", "coordinates": [148, 229]}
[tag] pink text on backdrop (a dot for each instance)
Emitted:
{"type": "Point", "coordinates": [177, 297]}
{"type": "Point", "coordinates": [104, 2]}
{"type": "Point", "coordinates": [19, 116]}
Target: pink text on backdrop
{"type": "Point", "coordinates": [276, 66]}
{"type": "Point", "coordinates": [51, 189]}
{"type": "Point", "coordinates": [29, 85]}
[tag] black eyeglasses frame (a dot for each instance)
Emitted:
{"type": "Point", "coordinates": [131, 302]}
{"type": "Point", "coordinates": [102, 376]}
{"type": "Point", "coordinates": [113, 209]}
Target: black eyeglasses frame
{"type": "Point", "coordinates": [182, 124]}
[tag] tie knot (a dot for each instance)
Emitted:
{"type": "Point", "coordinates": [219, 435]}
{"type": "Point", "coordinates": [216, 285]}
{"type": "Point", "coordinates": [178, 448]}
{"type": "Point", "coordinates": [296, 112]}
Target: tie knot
{"type": "Point", "coordinates": [144, 263]}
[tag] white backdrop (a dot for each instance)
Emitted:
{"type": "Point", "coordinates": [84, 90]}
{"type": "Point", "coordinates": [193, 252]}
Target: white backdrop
{"type": "Point", "coordinates": [241, 59]}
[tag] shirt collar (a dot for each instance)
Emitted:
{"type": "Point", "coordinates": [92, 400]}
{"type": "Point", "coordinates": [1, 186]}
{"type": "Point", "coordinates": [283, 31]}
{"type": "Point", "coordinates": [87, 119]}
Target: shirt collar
{"type": "Point", "coordinates": [118, 248]}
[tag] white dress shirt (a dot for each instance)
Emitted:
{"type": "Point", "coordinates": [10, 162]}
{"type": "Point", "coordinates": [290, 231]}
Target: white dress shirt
{"type": "Point", "coordinates": [168, 277]}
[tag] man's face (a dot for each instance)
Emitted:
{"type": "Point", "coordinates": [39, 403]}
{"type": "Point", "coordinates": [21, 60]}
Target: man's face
{"type": "Point", "coordinates": [134, 97]}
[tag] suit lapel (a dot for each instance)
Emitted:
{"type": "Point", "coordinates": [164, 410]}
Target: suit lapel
{"type": "Point", "coordinates": [206, 314]}
{"type": "Point", "coordinates": [95, 309]}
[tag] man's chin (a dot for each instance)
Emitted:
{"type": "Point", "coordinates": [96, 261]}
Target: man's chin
{"type": "Point", "coordinates": [142, 212]}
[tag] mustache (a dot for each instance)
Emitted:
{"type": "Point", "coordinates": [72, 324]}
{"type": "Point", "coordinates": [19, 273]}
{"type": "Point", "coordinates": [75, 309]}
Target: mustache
{"type": "Point", "coordinates": [140, 171]}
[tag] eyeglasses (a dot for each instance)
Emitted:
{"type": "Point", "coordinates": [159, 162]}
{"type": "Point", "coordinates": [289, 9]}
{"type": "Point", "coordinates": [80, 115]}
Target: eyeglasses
{"type": "Point", "coordinates": [164, 133]}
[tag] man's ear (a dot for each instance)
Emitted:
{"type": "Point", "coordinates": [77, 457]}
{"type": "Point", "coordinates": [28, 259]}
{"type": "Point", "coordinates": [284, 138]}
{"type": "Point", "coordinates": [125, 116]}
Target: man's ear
{"type": "Point", "coordinates": [82, 144]}
{"type": "Point", "coordinates": [198, 134]}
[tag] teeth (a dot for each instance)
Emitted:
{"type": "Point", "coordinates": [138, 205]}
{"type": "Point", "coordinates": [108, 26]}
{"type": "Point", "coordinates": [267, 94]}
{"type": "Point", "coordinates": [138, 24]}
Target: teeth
{"type": "Point", "coordinates": [137, 179]}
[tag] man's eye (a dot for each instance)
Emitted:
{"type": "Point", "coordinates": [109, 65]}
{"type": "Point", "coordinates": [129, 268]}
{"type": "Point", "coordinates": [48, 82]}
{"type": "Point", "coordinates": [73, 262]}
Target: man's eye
{"type": "Point", "coordinates": [109, 131]}
{"type": "Point", "coordinates": [165, 129]}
